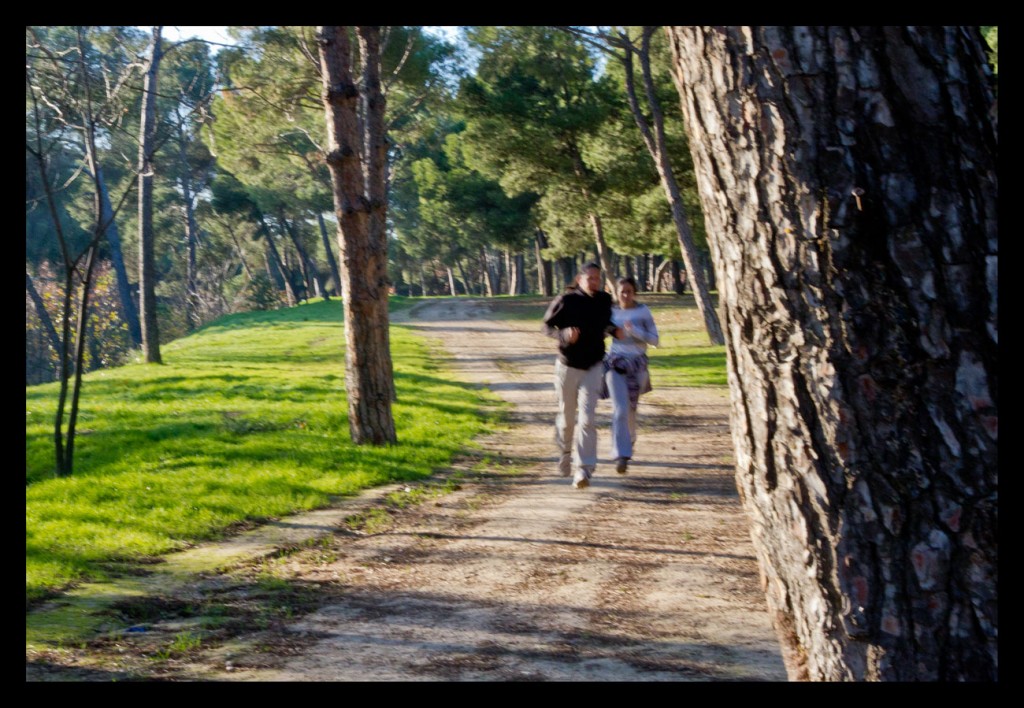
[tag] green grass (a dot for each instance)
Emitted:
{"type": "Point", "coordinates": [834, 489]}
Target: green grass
{"type": "Point", "coordinates": [245, 421]}
{"type": "Point", "coordinates": [685, 357]}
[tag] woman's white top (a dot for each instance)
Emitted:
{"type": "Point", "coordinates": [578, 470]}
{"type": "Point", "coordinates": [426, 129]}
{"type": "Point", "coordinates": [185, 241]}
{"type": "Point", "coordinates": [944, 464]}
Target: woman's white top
{"type": "Point", "coordinates": [640, 331]}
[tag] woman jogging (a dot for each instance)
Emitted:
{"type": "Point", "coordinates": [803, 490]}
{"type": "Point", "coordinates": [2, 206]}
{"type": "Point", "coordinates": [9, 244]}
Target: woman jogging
{"type": "Point", "coordinates": [625, 369]}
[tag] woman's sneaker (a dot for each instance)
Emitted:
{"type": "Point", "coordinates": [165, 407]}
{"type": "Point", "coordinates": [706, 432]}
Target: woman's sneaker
{"type": "Point", "coordinates": [581, 480]}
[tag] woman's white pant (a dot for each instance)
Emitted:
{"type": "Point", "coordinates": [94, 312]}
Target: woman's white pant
{"type": "Point", "coordinates": [623, 415]}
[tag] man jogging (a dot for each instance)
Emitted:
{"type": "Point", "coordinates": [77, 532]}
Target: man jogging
{"type": "Point", "coordinates": [580, 319]}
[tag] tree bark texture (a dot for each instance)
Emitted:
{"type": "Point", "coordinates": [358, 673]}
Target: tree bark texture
{"type": "Point", "coordinates": [147, 265]}
{"type": "Point", "coordinates": [355, 159]}
{"type": "Point", "coordinates": [848, 179]}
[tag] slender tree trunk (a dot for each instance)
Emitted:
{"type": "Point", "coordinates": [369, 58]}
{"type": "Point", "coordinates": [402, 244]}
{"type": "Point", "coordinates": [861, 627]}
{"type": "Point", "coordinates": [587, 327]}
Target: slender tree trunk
{"type": "Point", "coordinates": [309, 274]}
{"type": "Point", "coordinates": [654, 138]}
{"type": "Point", "coordinates": [357, 164]}
{"type": "Point", "coordinates": [451, 280]}
{"type": "Point", "coordinates": [677, 278]}
{"type": "Point", "coordinates": [857, 268]}
{"type": "Point", "coordinates": [568, 267]}
{"type": "Point", "coordinates": [490, 278]}
{"type": "Point", "coordinates": [654, 262]}
{"type": "Point", "coordinates": [147, 264]}
{"type": "Point", "coordinates": [80, 342]}
{"type": "Point", "coordinates": [708, 269]}
{"type": "Point", "coordinates": [66, 444]}
{"type": "Point", "coordinates": [545, 274]}
{"type": "Point", "coordinates": [44, 316]}
{"type": "Point", "coordinates": [332, 264]}
{"type": "Point", "coordinates": [241, 253]}
{"type": "Point", "coordinates": [124, 289]}
{"type": "Point", "coordinates": [462, 274]}
{"type": "Point", "coordinates": [279, 265]}
{"type": "Point", "coordinates": [659, 274]}
{"type": "Point", "coordinates": [192, 315]}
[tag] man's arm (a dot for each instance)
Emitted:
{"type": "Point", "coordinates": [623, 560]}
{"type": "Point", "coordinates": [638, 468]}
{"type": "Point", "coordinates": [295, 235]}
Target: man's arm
{"type": "Point", "coordinates": [552, 322]}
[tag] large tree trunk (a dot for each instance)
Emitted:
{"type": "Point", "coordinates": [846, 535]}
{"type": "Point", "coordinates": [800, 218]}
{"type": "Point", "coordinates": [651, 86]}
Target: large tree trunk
{"type": "Point", "coordinates": [356, 162]}
{"type": "Point", "coordinates": [147, 266]}
{"type": "Point", "coordinates": [848, 178]}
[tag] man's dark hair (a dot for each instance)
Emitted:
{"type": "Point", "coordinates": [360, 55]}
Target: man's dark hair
{"type": "Point", "coordinates": [584, 268]}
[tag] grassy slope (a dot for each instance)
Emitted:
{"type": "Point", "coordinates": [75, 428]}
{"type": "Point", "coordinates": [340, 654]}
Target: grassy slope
{"type": "Point", "coordinates": [245, 421]}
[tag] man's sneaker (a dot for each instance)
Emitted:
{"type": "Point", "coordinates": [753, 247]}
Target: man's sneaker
{"type": "Point", "coordinates": [565, 464]}
{"type": "Point", "coordinates": [621, 464]}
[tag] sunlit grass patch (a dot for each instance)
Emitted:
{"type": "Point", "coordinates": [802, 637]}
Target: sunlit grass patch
{"type": "Point", "coordinates": [245, 421]}
{"type": "Point", "coordinates": [685, 356]}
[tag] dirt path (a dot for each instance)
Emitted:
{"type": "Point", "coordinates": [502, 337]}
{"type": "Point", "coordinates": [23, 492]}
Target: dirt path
{"type": "Point", "coordinates": [518, 577]}
{"type": "Point", "coordinates": [643, 577]}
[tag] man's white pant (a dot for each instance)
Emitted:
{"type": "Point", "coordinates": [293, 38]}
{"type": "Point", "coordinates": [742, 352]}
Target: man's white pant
{"type": "Point", "coordinates": [577, 391]}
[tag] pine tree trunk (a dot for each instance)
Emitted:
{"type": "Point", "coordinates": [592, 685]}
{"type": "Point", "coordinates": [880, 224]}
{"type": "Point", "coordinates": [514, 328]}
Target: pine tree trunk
{"type": "Point", "coordinates": [848, 178]}
{"type": "Point", "coordinates": [356, 159]}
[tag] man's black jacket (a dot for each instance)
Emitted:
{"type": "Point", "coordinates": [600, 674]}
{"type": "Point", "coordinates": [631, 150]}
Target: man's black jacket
{"type": "Point", "coordinates": [592, 314]}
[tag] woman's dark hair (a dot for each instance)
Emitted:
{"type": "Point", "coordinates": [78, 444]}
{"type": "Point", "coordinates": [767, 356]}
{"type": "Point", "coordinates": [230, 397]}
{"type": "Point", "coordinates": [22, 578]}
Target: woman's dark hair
{"type": "Point", "coordinates": [628, 280]}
